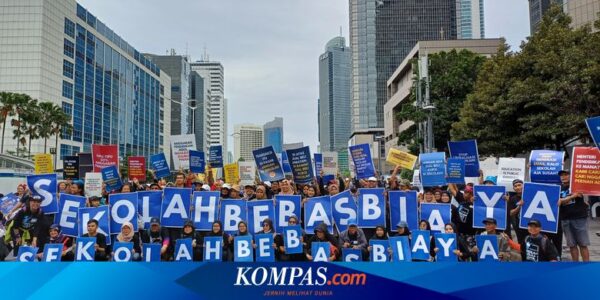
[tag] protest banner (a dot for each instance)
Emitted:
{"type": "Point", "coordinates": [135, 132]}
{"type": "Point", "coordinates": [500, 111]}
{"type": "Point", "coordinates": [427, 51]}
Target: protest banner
{"type": "Point", "coordinates": [488, 248]}
{"type": "Point", "coordinates": [111, 178]}
{"type": "Point", "coordinates": [242, 249]}
{"type": "Point", "coordinates": [269, 168]}
{"type": "Point", "coordinates": [330, 163]}
{"type": "Point", "coordinates": [232, 213]}
{"type": "Point", "coordinates": [67, 213]}
{"type": "Point", "coordinates": [401, 251]}
{"type": "Point", "coordinates": [585, 171]}
{"type": "Point", "coordinates": [510, 169]}
{"type": "Point", "coordinates": [404, 208]}
{"type": "Point", "coordinates": [151, 252]}
{"type": "Point", "coordinates": [466, 150]}
{"type": "Point", "coordinates": [149, 205]}
{"type": "Point", "coordinates": [320, 251]}
{"type": "Point", "coordinates": [93, 184]}
{"type": "Point", "coordinates": [433, 169]}
{"type": "Point", "coordinates": [300, 162]}
{"type": "Point", "coordinates": [71, 167]}
{"type": "Point", "coordinates": [593, 125]}
{"type": "Point", "coordinates": [285, 163]}
{"type": "Point", "coordinates": [104, 156]}
{"type": "Point", "coordinates": [43, 163]}
{"type": "Point", "coordinates": [540, 203]}
{"type": "Point", "coordinates": [379, 250]}
{"type": "Point", "coordinates": [123, 208]}
{"type": "Point", "coordinates": [215, 156]}
{"type": "Point", "coordinates": [136, 168]}
{"type": "Point", "coordinates": [100, 214]}
{"type": "Point", "coordinates": [318, 160]}
{"type": "Point", "coordinates": [247, 172]}
{"type": "Point", "coordinates": [258, 211]}
{"type": "Point", "coordinates": [446, 243]}
{"type": "Point", "coordinates": [7, 203]}
{"type": "Point", "coordinates": [231, 173]}
{"type": "Point", "coordinates": [213, 248]}
{"type": "Point", "coordinates": [371, 208]}
{"type": "Point", "coordinates": [27, 254]}
{"type": "Point", "coordinates": [420, 244]}
{"type": "Point", "coordinates": [45, 186]}
{"type": "Point", "coordinates": [455, 171]}
{"type": "Point", "coordinates": [197, 161]}
{"type": "Point", "coordinates": [180, 146]}
{"type": "Point", "coordinates": [317, 210]}
{"type": "Point", "coordinates": [287, 206]}
{"type": "Point", "coordinates": [264, 248]}
{"type": "Point", "coordinates": [416, 180]}
{"type": "Point", "coordinates": [489, 202]}
{"type": "Point", "coordinates": [184, 250]}
{"type": "Point", "coordinates": [400, 158]}
{"type": "Point", "coordinates": [175, 206]}
{"type": "Point", "coordinates": [160, 165]}
{"type": "Point", "coordinates": [350, 255]}
{"type": "Point", "coordinates": [292, 239]}
{"type": "Point", "coordinates": [544, 166]}
{"type": "Point", "coordinates": [123, 251]}
{"type": "Point", "coordinates": [85, 250]}
{"type": "Point", "coordinates": [205, 209]}
{"type": "Point", "coordinates": [363, 162]}
{"type": "Point", "coordinates": [86, 164]}
{"type": "Point", "coordinates": [344, 209]}
{"type": "Point", "coordinates": [438, 215]}
{"type": "Point", "coordinates": [52, 252]}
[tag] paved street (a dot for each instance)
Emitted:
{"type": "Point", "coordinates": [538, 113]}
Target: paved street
{"type": "Point", "coordinates": [594, 225]}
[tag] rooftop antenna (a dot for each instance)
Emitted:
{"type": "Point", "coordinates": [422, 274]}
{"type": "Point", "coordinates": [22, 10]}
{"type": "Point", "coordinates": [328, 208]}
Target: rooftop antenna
{"type": "Point", "coordinates": [340, 31]}
{"type": "Point", "coordinates": [205, 54]}
{"type": "Point", "coordinates": [186, 49]}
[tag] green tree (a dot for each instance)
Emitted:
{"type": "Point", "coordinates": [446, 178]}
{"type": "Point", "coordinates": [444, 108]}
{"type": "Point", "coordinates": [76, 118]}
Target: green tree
{"type": "Point", "coordinates": [21, 104]}
{"type": "Point", "coordinates": [452, 76]}
{"type": "Point", "coordinates": [31, 118]}
{"type": "Point", "coordinates": [536, 98]}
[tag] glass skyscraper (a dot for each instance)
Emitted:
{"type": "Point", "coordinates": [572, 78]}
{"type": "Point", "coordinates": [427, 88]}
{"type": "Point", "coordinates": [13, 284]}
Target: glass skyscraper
{"type": "Point", "coordinates": [469, 19]}
{"type": "Point", "coordinates": [273, 134]}
{"type": "Point", "coordinates": [382, 33]}
{"type": "Point", "coordinates": [537, 8]}
{"type": "Point", "coordinates": [58, 51]}
{"type": "Point", "coordinates": [334, 95]}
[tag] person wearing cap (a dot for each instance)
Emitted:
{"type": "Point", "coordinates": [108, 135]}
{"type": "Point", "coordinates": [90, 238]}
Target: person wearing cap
{"type": "Point", "coordinates": [462, 216]}
{"type": "Point", "coordinates": [206, 188]}
{"type": "Point", "coordinates": [189, 232]}
{"type": "Point", "coordinates": [234, 193]}
{"type": "Point", "coordinates": [321, 234]}
{"type": "Point", "coordinates": [127, 235]}
{"type": "Point", "coordinates": [537, 247]}
{"type": "Point", "coordinates": [402, 229]}
{"type": "Point", "coordinates": [55, 236]}
{"type": "Point", "coordinates": [490, 180]}
{"type": "Point", "coordinates": [515, 202]}
{"type": "Point", "coordinates": [157, 235]}
{"type": "Point", "coordinates": [504, 252]}
{"type": "Point", "coordinates": [225, 190]}
{"type": "Point", "coordinates": [197, 184]}
{"type": "Point", "coordinates": [372, 182]}
{"type": "Point", "coordinates": [29, 225]}
{"type": "Point", "coordinates": [405, 185]}
{"type": "Point", "coordinates": [101, 247]}
{"type": "Point", "coordinates": [354, 238]}
{"type": "Point", "coordinates": [249, 192]}
{"type": "Point", "coordinates": [573, 216]}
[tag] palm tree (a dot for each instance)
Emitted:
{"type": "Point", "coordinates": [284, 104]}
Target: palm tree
{"type": "Point", "coordinates": [21, 102]}
{"type": "Point", "coordinates": [50, 112]}
{"type": "Point", "coordinates": [32, 117]}
{"type": "Point", "coordinates": [60, 122]}
{"type": "Point", "coordinates": [7, 108]}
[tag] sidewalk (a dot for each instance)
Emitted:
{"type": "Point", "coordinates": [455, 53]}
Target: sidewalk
{"type": "Point", "coordinates": [594, 231]}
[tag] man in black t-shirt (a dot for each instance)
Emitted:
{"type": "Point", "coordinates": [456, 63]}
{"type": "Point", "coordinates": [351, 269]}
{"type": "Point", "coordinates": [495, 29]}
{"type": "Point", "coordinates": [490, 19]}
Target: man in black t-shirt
{"type": "Point", "coordinates": [537, 247]}
{"type": "Point", "coordinates": [514, 205]}
{"type": "Point", "coordinates": [92, 227]}
{"type": "Point", "coordinates": [574, 216]}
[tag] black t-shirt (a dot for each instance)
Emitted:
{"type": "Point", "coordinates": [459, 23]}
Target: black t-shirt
{"type": "Point", "coordinates": [539, 248]}
{"type": "Point", "coordinates": [100, 239]}
{"type": "Point", "coordinates": [576, 209]}
{"type": "Point", "coordinates": [463, 215]}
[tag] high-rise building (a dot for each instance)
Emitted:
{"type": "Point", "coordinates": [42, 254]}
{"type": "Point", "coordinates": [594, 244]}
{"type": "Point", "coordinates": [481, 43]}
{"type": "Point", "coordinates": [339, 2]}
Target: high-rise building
{"type": "Point", "coordinates": [246, 138]}
{"type": "Point", "coordinates": [537, 8]}
{"type": "Point", "coordinates": [583, 11]}
{"type": "Point", "coordinates": [216, 106]}
{"type": "Point", "coordinates": [334, 95]}
{"type": "Point", "coordinates": [382, 33]}
{"type": "Point", "coordinates": [199, 95]}
{"type": "Point", "coordinates": [469, 19]}
{"type": "Point", "coordinates": [58, 51]}
{"type": "Point", "coordinates": [274, 134]}
{"type": "Point", "coordinates": [291, 146]}
{"type": "Point", "coordinates": [178, 68]}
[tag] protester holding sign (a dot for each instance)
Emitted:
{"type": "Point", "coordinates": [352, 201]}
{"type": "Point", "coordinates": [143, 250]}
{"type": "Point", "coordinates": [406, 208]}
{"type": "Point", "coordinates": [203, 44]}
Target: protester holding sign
{"type": "Point", "coordinates": [29, 226]}
{"type": "Point", "coordinates": [515, 202]}
{"type": "Point", "coordinates": [464, 212]}
{"type": "Point", "coordinates": [354, 238]}
{"type": "Point", "coordinates": [189, 232]}
{"type": "Point", "coordinates": [100, 246]}
{"type": "Point", "coordinates": [462, 248]}
{"type": "Point", "coordinates": [127, 235]}
{"type": "Point", "coordinates": [323, 235]}
{"type": "Point", "coordinates": [537, 247]}
{"type": "Point", "coordinates": [57, 237]}
{"type": "Point", "coordinates": [157, 235]}
{"type": "Point", "coordinates": [217, 231]}
{"type": "Point", "coordinates": [380, 235]}
{"type": "Point", "coordinates": [281, 252]}
{"type": "Point", "coordinates": [574, 217]}
{"type": "Point", "coordinates": [504, 249]}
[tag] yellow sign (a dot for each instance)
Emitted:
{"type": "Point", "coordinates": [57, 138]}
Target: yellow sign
{"type": "Point", "coordinates": [232, 173]}
{"type": "Point", "coordinates": [402, 159]}
{"type": "Point", "coordinates": [43, 164]}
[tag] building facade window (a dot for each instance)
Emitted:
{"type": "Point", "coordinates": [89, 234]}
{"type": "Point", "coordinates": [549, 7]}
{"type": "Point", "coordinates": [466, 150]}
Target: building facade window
{"type": "Point", "coordinates": [67, 90]}
{"type": "Point", "coordinates": [69, 28]}
{"type": "Point", "coordinates": [69, 49]}
{"type": "Point", "coordinates": [68, 69]}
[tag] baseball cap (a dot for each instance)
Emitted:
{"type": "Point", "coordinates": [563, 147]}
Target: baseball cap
{"type": "Point", "coordinates": [36, 198]}
{"type": "Point", "coordinates": [372, 178]}
{"type": "Point", "coordinates": [534, 222]}
{"type": "Point", "coordinates": [490, 220]}
{"type": "Point", "coordinates": [206, 187]}
{"type": "Point", "coordinates": [490, 179]}
{"type": "Point", "coordinates": [235, 187]}
{"type": "Point", "coordinates": [517, 181]}
{"type": "Point", "coordinates": [226, 186]}
{"type": "Point", "coordinates": [402, 224]}
{"type": "Point", "coordinates": [565, 172]}
{"type": "Point", "coordinates": [154, 221]}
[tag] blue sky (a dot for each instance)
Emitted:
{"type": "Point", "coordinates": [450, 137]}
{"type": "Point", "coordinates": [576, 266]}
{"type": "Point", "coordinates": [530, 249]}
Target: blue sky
{"type": "Point", "coordinates": [269, 48]}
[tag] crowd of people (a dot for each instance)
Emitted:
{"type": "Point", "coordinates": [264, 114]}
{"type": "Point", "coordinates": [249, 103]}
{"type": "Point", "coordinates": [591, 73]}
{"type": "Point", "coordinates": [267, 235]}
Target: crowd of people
{"type": "Point", "coordinates": [26, 223]}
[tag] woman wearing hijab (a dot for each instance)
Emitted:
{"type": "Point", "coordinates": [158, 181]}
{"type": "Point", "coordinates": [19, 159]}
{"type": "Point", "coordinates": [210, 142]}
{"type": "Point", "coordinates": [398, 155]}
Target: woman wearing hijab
{"type": "Point", "coordinates": [217, 230]}
{"type": "Point", "coordinates": [462, 248]}
{"type": "Point", "coordinates": [189, 232]}
{"type": "Point", "coordinates": [380, 234]}
{"type": "Point", "coordinates": [57, 237]}
{"type": "Point", "coordinates": [323, 235]}
{"type": "Point", "coordinates": [425, 226]}
{"type": "Point", "coordinates": [127, 235]}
